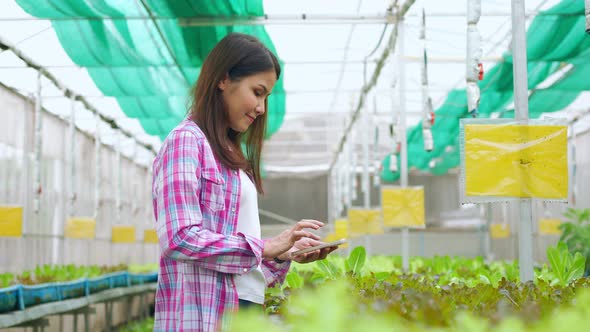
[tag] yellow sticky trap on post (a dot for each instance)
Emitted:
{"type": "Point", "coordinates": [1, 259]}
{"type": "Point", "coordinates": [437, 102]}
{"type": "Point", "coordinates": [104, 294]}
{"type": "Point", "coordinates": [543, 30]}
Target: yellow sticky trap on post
{"type": "Point", "coordinates": [374, 223]}
{"type": "Point", "coordinates": [11, 221]}
{"type": "Point", "coordinates": [341, 228]}
{"type": "Point", "coordinates": [364, 221]}
{"type": "Point", "coordinates": [356, 222]}
{"type": "Point", "coordinates": [549, 226]}
{"type": "Point", "coordinates": [123, 234]}
{"type": "Point", "coordinates": [150, 236]}
{"type": "Point", "coordinates": [341, 231]}
{"type": "Point", "coordinates": [80, 228]}
{"type": "Point", "coordinates": [403, 207]}
{"type": "Point", "coordinates": [499, 231]}
{"type": "Point", "coordinates": [515, 160]}
{"type": "Point", "coordinates": [330, 237]}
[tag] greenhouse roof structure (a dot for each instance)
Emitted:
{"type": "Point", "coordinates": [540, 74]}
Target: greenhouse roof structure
{"type": "Point", "coordinates": [135, 62]}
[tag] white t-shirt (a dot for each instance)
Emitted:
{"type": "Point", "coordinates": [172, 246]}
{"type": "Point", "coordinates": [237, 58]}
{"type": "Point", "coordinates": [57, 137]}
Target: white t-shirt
{"type": "Point", "coordinates": [250, 285]}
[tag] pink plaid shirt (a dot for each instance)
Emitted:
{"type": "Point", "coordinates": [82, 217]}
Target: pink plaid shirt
{"type": "Point", "coordinates": [196, 204]}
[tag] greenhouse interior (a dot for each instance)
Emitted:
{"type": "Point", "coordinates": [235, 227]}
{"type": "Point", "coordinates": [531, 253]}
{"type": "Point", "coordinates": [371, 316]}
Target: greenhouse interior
{"type": "Point", "coordinates": [447, 143]}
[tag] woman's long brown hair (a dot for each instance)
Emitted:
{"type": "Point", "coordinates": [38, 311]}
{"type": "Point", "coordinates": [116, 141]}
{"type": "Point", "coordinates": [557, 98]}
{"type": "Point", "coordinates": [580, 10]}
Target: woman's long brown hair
{"type": "Point", "coordinates": [237, 56]}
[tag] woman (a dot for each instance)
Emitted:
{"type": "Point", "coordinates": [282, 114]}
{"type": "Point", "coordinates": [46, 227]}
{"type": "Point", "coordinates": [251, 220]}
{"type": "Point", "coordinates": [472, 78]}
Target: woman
{"type": "Point", "coordinates": [205, 196]}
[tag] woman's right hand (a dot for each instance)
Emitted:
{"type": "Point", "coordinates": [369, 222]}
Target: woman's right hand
{"type": "Point", "coordinates": [281, 243]}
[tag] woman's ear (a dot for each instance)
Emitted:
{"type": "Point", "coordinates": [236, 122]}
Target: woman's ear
{"type": "Point", "coordinates": [223, 84]}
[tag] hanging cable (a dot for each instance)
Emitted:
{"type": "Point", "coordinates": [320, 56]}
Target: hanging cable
{"type": "Point", "coordinates": [68, 93]}
{"type": "Point", "coordinates": [427, 114]}
{"type": "Point", "coordinates": [474, 67]}
{"type": "Point", "coordinates": [345, 57]}
{"type": "Point", "coordinates": [372, 52]}
{"type": "Point", "coordinates": [370, 84]}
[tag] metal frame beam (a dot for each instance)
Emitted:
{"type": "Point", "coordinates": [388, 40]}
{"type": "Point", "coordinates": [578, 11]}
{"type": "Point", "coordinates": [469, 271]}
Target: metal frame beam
{"type": "Point", "coordinates": [70, 93]}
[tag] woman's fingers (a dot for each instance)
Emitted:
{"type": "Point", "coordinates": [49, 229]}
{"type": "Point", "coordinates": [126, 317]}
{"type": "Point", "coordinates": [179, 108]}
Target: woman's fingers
{"type": "Point", "coordinates": [307, 242]}
{"type": "Point", "coordinates": [308, 223]}
{"type": "Point", "coordinates": [304, 234]}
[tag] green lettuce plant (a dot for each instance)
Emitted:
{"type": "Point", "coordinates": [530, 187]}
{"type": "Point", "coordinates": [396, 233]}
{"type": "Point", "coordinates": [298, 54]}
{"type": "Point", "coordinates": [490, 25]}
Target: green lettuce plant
{"type": "Point", "coordinates": [576, 233]}
{"type": "Point", "coordinates": [565, 266]}
{"type": "Point", "coordinates": [6, 279]}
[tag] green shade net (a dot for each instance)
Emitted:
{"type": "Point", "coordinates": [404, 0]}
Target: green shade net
{"type": "Point", "coordinates": [149, 65]}
{"type": "Point", "coordinates": [555, 39]}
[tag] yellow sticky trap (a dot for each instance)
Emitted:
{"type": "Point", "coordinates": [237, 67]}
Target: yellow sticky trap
{"type": "Point", "coordinates": [11, 221]}
{"type": "Point", "coordinates": [150, 236]}
{"type": "Point", "coordinates": [123, 234]}
{"type": "Point", "coordinates": [356, 224]}
{"type": "Point", "coordinates": [341, 231]}
{"type": "Point", "coordinates": [549, 226]}
{"type": "Point", "coordinates": [403, 207]}
{"type": "Point", "coordinates": [80, 228]}
{"type": "Point", "coordinates": [330, 238]}
{"type": "Point", "coordinates": [525, 161]}
{"type": "Point", "coordinates": [499, 231]}
{"type": "Point", "coordinates": [341, 228]}
{"type": "Point", "coordinates": [364, 221]}
{"type": "Point", "coordinates": [374, 223]}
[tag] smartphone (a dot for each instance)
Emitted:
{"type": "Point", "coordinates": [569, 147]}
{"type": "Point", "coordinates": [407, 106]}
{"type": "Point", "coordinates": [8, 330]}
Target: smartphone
{"type": "Point", "coordinates": [321, 246]}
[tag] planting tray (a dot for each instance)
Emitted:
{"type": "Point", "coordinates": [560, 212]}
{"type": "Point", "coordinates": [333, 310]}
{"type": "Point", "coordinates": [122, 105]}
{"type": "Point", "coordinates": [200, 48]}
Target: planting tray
{"type": "Point", "coordinates": [38, 294]}
{"type": "Point", "coordinates": [98, 284]}
{"type": "Point", "coordinates": [118, 279]}
{"type": "Point", "coordinates": [143, 278]}
{"type": "Point", "coordinates": [73, 289]}
{"type": "Point", "coordinates": [11, 298]}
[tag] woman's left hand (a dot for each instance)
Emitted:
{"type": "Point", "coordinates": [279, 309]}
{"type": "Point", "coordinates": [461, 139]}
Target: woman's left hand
{"type": "Point", "coordinates": [310, 256]}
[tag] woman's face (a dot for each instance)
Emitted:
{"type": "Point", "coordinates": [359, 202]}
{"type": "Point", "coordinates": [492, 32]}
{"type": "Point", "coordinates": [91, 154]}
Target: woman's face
{"type": "Point", "coordinates": [245, 98]}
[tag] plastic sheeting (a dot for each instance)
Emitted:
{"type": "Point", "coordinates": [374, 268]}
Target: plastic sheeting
{"type": "Point", "coordinates": [555, 38]}
{"type": "Point", "coordinates": [403, 207]}
{"type": "Point", "coordinates": [503, 160]}
{"type": "Point", "coordinates": [148, 64]}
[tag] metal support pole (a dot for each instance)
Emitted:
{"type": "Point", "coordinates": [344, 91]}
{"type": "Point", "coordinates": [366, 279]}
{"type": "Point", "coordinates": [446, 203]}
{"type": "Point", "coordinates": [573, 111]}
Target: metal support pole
{"type": "Point", "coordinates": [86, 321]}
{"type": "Point", "coordinates": [348, 179]}
{"type": "Point", "coordinates": [574, 166]}
{"type": "Point", "coordinates": [119, 146]}
{"type": "Point", "coordinates": [487, 247]}
{"type": "Point", "coordinates": [405, 233]}
{"type": "Point", "coordinates": [72, 159]}
{"type": "Point", "coordinates": [108, 312]}
{"type": "Point", "coordinates": [26, 198]}
{"type": "Point", "coordinates": [521, 107]}
{"type": "Point", "coordinates": [353, 165]}
{"type": "Point", "coordinates": [97, 168]}
{"type": "Point", "coordinates": [365, 132]}
{"type": "Point", "coordinates": [330, 197]}
{"type": "Point", "coordinates": [38, 147]}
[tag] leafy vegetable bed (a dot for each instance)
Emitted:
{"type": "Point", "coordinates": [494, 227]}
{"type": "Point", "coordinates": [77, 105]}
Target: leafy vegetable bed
{"type": "Point", "coordinates": [437, 294]}
{"type": "Point", "coordinates": [56, 283]}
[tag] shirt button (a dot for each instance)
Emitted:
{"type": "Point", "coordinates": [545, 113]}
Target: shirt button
{"type": "Point", "coordinates": [245, 270]}
{"type": "Point", "coordinates": [233, 209]}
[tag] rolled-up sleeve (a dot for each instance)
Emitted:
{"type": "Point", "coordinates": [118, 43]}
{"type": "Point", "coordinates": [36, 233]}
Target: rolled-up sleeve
{"type": "Point", "coordinates": [275, 273]}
